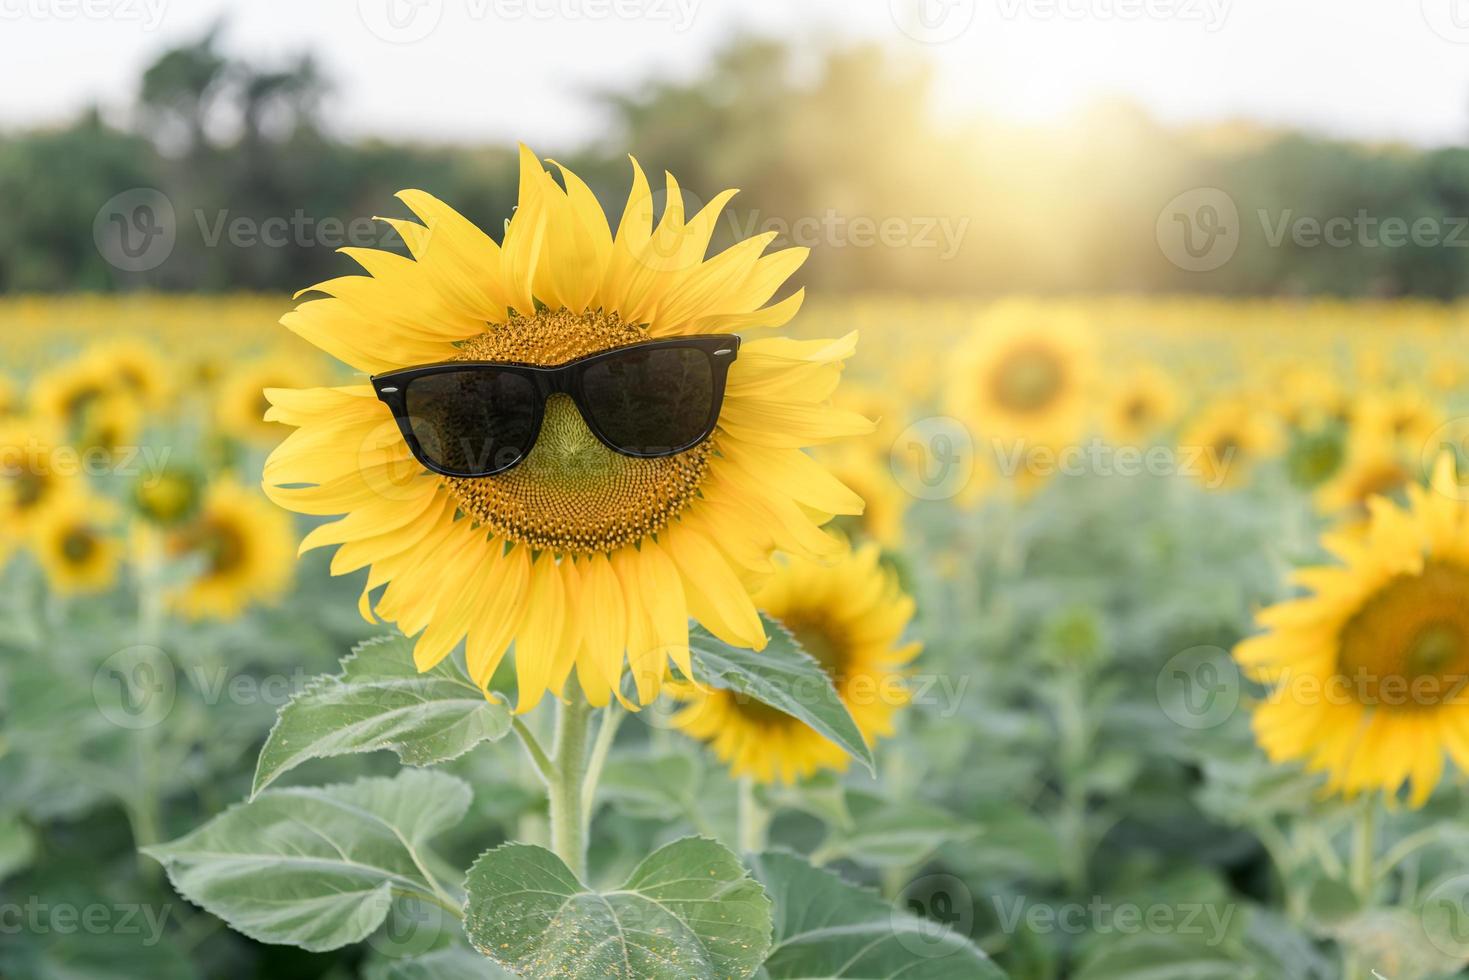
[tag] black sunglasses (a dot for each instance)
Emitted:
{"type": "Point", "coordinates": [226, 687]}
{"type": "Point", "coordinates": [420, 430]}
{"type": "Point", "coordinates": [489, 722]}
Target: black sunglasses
{"type": "Point", "coordinates": [479, 418]}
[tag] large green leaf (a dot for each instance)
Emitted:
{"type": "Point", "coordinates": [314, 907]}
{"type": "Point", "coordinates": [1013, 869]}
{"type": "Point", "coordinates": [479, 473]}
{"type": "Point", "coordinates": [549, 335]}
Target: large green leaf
{"type": "Point", "coordinates": [317, 868]}
{"type": "Point", "coordinates": [688, 910]}
{"type": "Point", "coordinates": [381, 701]}
{"type": "Point", "coordinates": [825, 927]}
{"type": "Point", "coordinates": [782, 676]}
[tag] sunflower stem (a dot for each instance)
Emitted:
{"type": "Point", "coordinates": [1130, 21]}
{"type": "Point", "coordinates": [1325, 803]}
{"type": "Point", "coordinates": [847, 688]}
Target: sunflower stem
{"type": "Point", "coordinates": [754, 819]}
{"type": "Point", "coordinates": [1363, 877]}
{"type": "Point", "coordinates": [612, 717]}
{"type": "Point", "coordinates": [564, 788]}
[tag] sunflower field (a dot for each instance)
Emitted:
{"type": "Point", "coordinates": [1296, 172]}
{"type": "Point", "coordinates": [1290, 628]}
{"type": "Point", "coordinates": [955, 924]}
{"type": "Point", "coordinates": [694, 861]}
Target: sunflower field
{"type": "Point", "coordinates": [1101, 637]}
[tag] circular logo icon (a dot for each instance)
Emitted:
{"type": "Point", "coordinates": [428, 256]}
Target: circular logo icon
{"type": "Point", "coordinates": [135, 231]}
{"type": "Point", "coordinates": [412, 928]}
{"type": "Point", "coordinates": [930, 913]}
{"type": "Point", "coordinates": [1449, 19]}
{"type": "Point", "coordinates": [401, 21]}
{"type": "Point", "coordinates": [673, 248]}
{"type": "Point", "coordinates": [1445, 917]}
{"type": "Point", "coordinates": [1198, 688]}
{"type": "Point", "coordinates": [933, 459]}
{"type": "Point", "coordinates": [1199, 230]}
{"type": "Point", "coordinates": [135, 687]}
{"type": "Point", "coordinates": [1451, 437]}
{"type": "Point", "coordinates": [932, 21]}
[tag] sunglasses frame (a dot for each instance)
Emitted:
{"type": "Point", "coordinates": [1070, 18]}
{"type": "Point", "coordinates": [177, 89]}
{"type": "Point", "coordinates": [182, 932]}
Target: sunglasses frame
{"type": "Point", "coordinates": [565, 379]}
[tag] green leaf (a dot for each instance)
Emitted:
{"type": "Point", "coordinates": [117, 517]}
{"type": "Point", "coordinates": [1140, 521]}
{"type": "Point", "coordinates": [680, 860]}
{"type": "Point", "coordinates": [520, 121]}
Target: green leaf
{"type": "Point", "coordinates": [783, 676]}
{"type": "Point", "coordinates": [688, 910]}
{"type": "Point", "coordinates": [381, 701]}
{"type": "Point", "coordinates": [454, 963]}
{"type": "Point", "coordinates": [1164, 956]}
{"type": "Point", "coordinates": [651, 786]}
{"type": "Point", "coordinates": [893, 834]}
{"type": "Point", "coordinates": [17, 846]}
{"type": "Point", "coordinates": [825, 927]}
{"type": "Point", "coordinates": [317, 868]}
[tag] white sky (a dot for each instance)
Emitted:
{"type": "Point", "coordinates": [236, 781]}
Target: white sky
{"type": "Point", "coordinates": [519, 69]}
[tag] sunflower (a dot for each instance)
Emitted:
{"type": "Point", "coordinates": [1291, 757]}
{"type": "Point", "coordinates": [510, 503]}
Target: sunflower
{"type": "Point", "coordinates": [1371, 469]}
{"type": "Point", "coordinates": [886, 502]}
{"type": "Point", "coordinates": [1225, 440]}
{"type": "Point", "coordinates": [75, 546]}
{"type": "Point", "coordinates": [240, 404]}
{"type": "Point", "coordinates": [33, 478]}
{"type": "Point", "coordinates": [245, 547]}
{"type": "Point", "coordinates": [65, 395]}
{"type": "Point", "coordinates": [1405, 415]}
{"type": "Point", "coordinates": [1142, 403]}
{"type": "Point", "coordinates": [1022, 382]}
{"type": "Point", "coordinates": [10, 400]}
{"type": "Point", "coordinates": [108, 424]}
{"type": "Point", "coordinates": [635, 546]}
{"type": "Point", "coordinates": [1307, 396]}
{"type": "Point", "coordinates": [851, 617]}
{"type": "Point", "coordinates": [1370, 670]}
{"type": "Point", "coordinates": [132, 368]}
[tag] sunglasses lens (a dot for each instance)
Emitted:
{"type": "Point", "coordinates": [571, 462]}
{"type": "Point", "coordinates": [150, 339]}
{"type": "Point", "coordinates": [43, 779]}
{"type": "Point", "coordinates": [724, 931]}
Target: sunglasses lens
{"type": "Point", "coordinates": [650, 402]}
{"type": "Point", "coordinates": [473, 422]}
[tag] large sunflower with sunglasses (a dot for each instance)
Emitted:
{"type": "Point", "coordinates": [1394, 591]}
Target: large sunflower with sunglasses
{"type": "Point", "coordinates": [565, 446]}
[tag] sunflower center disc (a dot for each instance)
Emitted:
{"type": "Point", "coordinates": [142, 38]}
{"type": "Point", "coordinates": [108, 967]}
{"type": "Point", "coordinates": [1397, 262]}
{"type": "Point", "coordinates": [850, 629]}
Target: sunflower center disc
{"type": "Point", "coordinates": [1407, 648]}
{"type": "Point", "coordinates": [1028, 380]}
{"type": "Point", "coordinates": [571, 493]}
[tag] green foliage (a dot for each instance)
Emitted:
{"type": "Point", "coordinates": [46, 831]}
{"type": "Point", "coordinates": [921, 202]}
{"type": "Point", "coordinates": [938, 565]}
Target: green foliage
{"type": "Point", "coordinates": [782, 676]}
{"type": "Point", "coordinates": [317, 868]}
{"type": "Point", "coordinates": [381, 701]}
{"type": "Point", "coordinates": [825, 927]}
{"type": "Point", "coordinates": [689, 909]}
